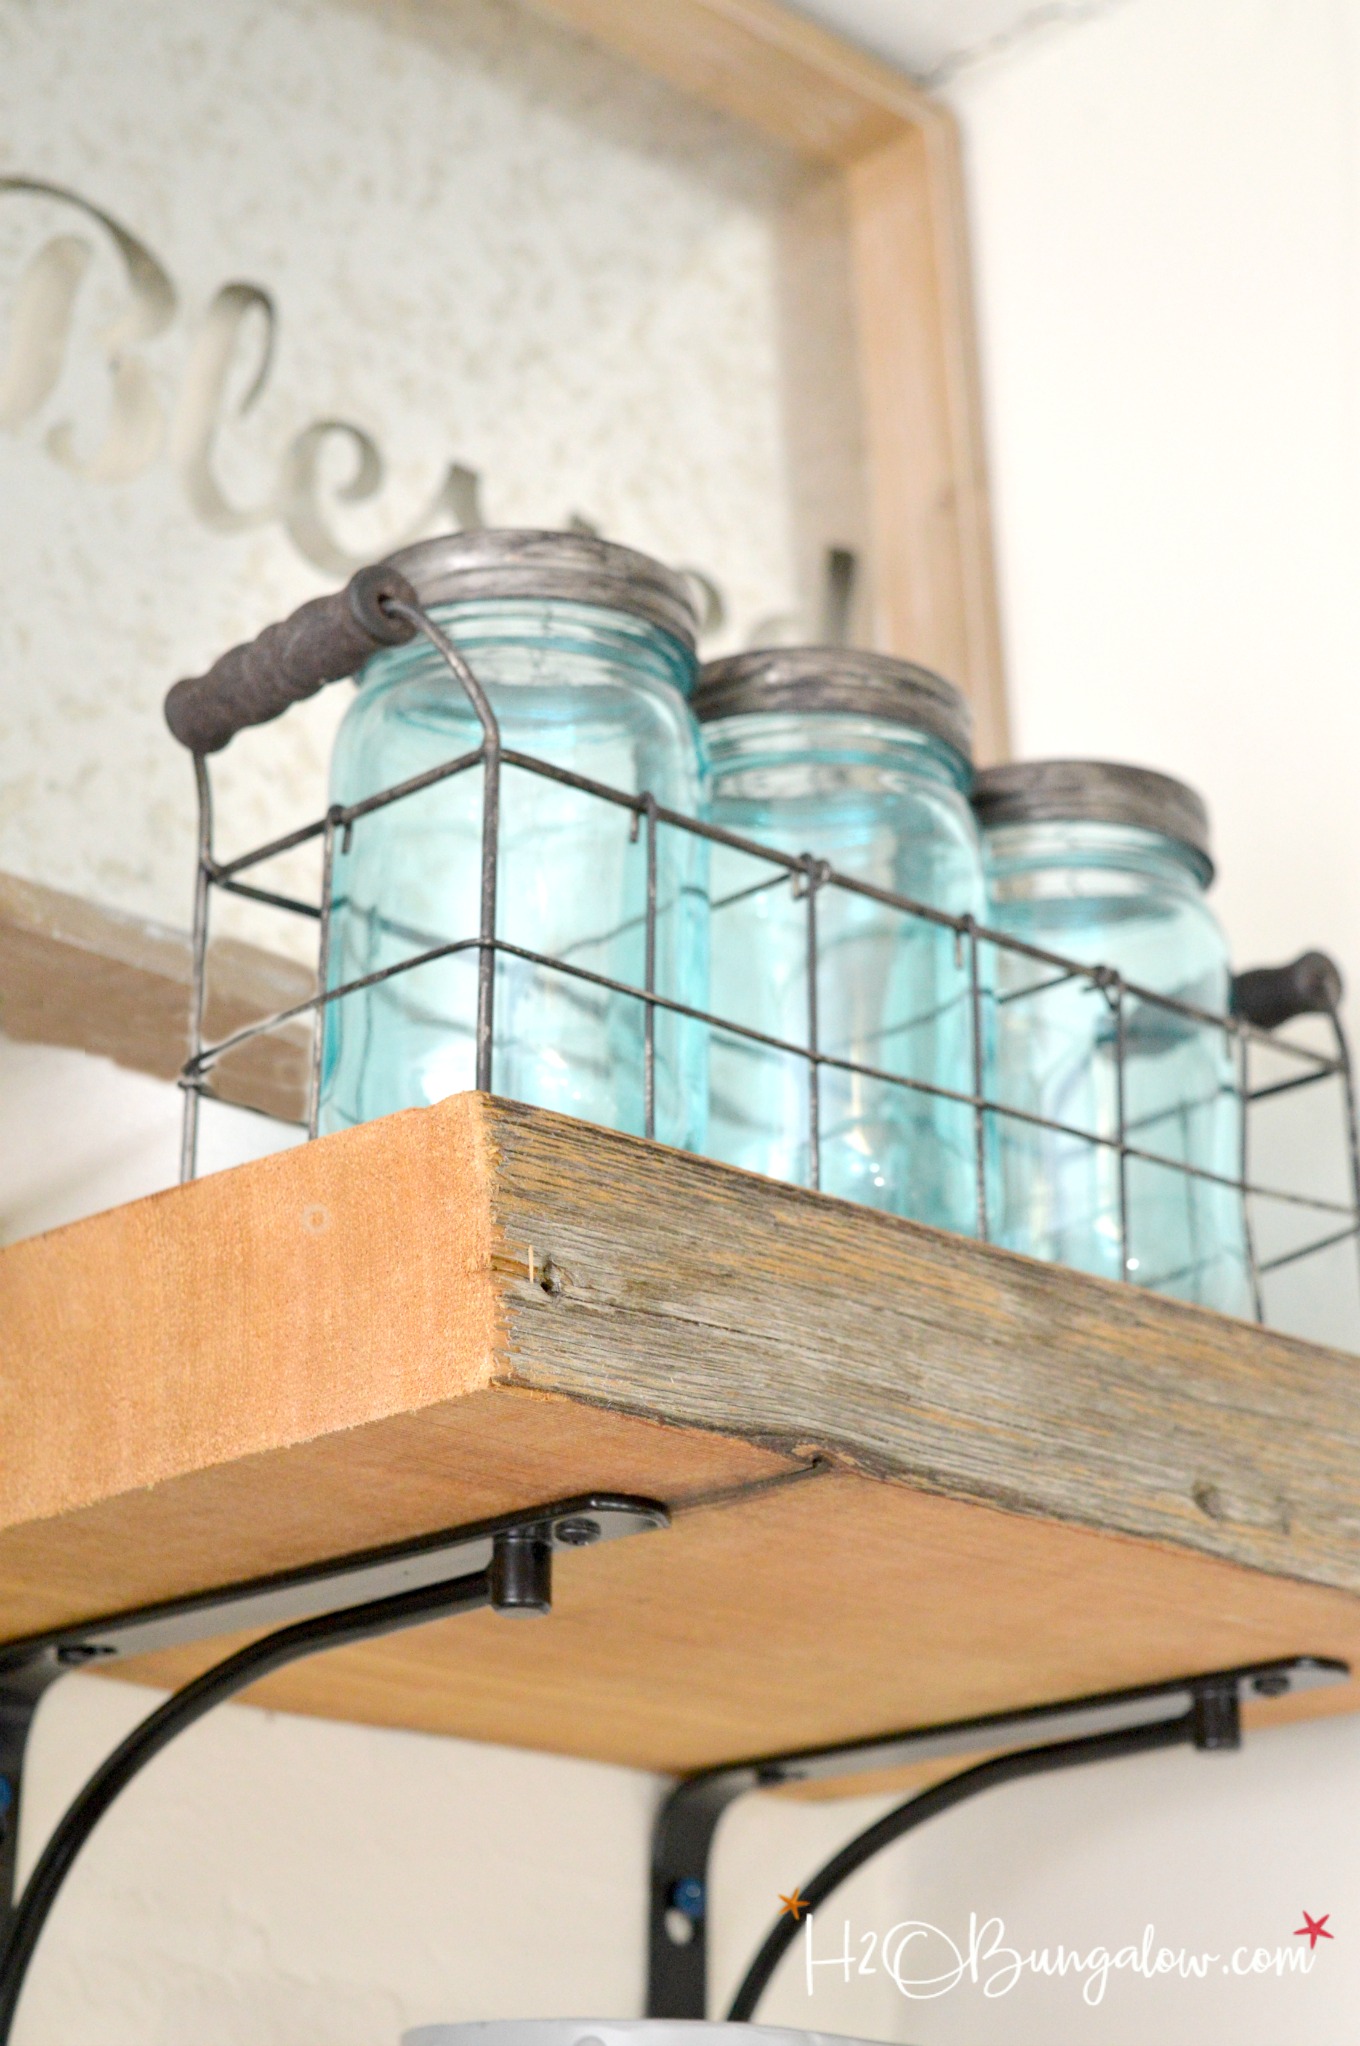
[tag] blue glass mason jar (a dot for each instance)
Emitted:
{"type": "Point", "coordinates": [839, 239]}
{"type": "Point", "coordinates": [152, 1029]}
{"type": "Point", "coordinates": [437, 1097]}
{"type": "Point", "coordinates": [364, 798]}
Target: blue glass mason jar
{"type": "Point", "coordinates": [1108, 865]}
{"type": "Point", "coordinates": [586, 653]}
{"type": "Point", "coordinates": [863, 762]}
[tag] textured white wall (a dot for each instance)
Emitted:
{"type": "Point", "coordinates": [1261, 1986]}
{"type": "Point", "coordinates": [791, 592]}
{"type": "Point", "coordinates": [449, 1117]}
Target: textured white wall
{"type": "Point", "coordinates": [487, 243]}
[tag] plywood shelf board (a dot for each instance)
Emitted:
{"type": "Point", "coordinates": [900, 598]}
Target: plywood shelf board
{"type": "Point", "coordinates": [824, 1611]}
{"type": "Point", "coordinates": [1029, 1484]}
{"type": "Point", "coordinates": [731, 1634]}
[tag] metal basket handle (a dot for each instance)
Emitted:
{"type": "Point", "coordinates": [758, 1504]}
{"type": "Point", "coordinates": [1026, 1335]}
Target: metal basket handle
{"type": "Point", "coordinates": [323, 641]}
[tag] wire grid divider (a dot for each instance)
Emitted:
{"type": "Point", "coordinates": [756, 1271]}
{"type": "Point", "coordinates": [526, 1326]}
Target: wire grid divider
{"type": "Point", "coordinates": [809, 876]}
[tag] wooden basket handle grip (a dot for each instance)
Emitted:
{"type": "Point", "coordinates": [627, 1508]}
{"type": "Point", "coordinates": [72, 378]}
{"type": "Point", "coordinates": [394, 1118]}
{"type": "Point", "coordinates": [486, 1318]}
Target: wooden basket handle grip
{"type": "Point", "coordinates": [1267, 996]}
{"type": "Point", "coordinates": [323, 641]}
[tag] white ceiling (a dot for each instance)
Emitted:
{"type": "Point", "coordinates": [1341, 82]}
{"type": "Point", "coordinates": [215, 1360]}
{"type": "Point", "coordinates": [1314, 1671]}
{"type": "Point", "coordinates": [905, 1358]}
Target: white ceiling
{"type": "Point", "coordinates": [935, 38]}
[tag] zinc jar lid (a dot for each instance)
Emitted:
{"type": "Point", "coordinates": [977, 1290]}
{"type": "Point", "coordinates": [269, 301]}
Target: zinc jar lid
{"type": "Point", "coordinates": [1094, 792]}
{"type": "Point", "coordinates": [578, 568]}
{"type": "Point", "coordinates": [845, 679]}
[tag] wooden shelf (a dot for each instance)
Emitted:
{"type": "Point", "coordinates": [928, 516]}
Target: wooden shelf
{"type": "Point", "coordinates": [915, 1478]}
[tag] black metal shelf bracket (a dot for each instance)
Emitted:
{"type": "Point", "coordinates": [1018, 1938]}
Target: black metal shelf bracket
{"type": "Point", "coordinates": [504, 1564]}
{"type": "Point", "coordinates": [1202, 1711]}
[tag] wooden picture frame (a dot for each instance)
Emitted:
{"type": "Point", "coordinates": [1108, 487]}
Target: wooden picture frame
{"type": "Point", "coordinates": [934, 591]}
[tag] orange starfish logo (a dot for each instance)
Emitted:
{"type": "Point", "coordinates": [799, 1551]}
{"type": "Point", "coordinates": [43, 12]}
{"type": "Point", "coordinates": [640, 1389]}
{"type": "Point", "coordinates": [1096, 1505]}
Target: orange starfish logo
{"type": "Point", "coordinates": [796, 1904]}
{"type": "Point", "coordinates": [1312, 1929]}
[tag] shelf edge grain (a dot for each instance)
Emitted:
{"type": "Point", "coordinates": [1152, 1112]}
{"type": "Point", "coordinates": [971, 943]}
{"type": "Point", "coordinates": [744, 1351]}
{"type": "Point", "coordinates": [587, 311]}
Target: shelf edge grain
{"type": "Point", "coordinates": [708, 1298]}
{"type": "Point", "coordinates": [483, 1246]}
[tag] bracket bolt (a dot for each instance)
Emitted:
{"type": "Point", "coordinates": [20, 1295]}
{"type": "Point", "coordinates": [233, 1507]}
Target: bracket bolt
{"type": "Point", "coordinates": [1273, 1685]}
{"type": "Point", "coordinates": [1217, 1721]}
{"type": "Point", "coordinates": [577, 1533]}
{"type": "Point", "coordinates": [521, 1572]}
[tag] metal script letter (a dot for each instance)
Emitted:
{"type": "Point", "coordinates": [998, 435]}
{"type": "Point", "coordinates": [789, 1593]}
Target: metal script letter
{"type": "Point", "coordinates": [456, 502]}
{"type": "Point", "coordinates": [39, 340]}
{"type": "Point", "coordinates": [42, 329]}
{"type": "Point", "coordinates": [203, 402]}
{"type": "Point", "coordinates": [43, 307]}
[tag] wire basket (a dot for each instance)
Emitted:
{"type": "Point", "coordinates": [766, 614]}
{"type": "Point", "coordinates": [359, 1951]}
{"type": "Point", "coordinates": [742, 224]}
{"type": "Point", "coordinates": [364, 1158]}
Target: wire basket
{"type": "Point", "coordinates": [1285, 1226]}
